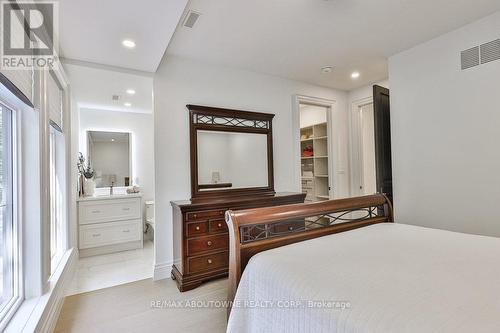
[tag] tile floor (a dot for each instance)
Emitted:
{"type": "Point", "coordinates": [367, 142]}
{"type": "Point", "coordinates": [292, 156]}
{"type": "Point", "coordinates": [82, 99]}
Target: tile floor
{"type": "Point", "coordinates": [114, 269]}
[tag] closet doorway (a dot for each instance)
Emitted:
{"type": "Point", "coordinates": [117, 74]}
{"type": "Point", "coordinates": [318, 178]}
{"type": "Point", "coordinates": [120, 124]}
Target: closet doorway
{"type": "Point", "coordinates": [368, 179]}
{"type": "Point", "coordinates": [371, 170]}
{"type": "Point", "coordinates": [315, 150]}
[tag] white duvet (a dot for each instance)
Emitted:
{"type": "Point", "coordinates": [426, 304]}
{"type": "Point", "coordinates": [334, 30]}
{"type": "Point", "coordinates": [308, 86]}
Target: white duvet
{"type": "Point", "coordinates": [383, 278]}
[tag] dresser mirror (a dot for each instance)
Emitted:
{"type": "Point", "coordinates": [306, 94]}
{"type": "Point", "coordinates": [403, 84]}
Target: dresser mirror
{"type": "Point", "coordinates": [231, 152]}
{"type": "Point", "coordinates": [109, 155]}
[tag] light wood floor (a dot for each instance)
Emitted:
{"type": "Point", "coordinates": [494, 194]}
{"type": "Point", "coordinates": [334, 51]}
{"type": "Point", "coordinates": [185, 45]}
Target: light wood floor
{"type": "Point", "coordinates": [128, 308]}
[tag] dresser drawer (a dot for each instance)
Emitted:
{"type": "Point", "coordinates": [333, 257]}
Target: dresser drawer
{"type": "Point", "coordinates": [216, 226]}
{"type": "Point", "coordinates": [208, 243]}
{"type": "Point", "coordinates": [103, 234]}
{"type": "Point", "coordinates": [196, 228]}
{"type": "Point", "coordinates": [109, 210]}
{"type": "Point", "coordinates": [205, 215]}
{"type": "Point", "coordinates": [208, 262]}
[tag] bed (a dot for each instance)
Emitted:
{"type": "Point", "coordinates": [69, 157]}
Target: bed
{"type": "Point", "coordinates": [359, 273]}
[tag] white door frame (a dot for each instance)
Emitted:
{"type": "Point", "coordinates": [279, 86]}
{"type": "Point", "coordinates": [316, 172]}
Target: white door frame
{"type": "Point", "coordinates": [356, 152]}
{"type": "Point", "coordinates": [332, 149]}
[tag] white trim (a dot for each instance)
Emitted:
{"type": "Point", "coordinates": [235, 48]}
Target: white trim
{"type": "Point", "coordinates": [17, 230]}
{"type": "Point", "coordinates": [44, 144]}
{"type": "Point", "coordinates": [60, 280]}
{"type": "Point", "coordinates": [162, 271]}
{"type": "Point", "coordinates": [40, 314]}
{"type": "Point", "coordinates": [355, 156]}
{"type": "Point", "coordinates": [106, 67]}
{"type": "Point", "coordinates": [332, 149]}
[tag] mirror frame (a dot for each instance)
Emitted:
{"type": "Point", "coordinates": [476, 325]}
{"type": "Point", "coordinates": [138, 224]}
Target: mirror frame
{"type": "Point", "coordinates": [227, 120]}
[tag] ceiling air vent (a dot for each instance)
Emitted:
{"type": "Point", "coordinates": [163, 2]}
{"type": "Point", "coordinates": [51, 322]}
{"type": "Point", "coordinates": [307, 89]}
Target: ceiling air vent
{"type": "Point", "coordinates": [490, 51]}
{"type": "Point", "coordinates": [191, 19]}
{"type": "Point", "coordinates": [470, 58]}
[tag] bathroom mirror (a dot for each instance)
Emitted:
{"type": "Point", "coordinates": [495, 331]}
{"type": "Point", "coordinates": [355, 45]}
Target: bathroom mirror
{"type": "Point", "coordinates": [231, 152]}
{"type": "Point", "coordinates": [109, 155]}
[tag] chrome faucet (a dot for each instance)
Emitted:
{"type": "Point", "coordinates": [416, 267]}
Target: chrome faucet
{"type": "Point", "coordinates": [111, 188]}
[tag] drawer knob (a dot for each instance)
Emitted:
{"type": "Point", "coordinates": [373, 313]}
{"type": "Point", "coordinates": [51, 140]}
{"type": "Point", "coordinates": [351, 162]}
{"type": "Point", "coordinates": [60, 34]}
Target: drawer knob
{"type": "Point", "coordinates": [195, 215]}
{"type": "Point", "coordinates": [128, 230]}
{"type": "Point", "coordinates": [221, 212]}
{"type": "Point", "coordinates": [209, 243]}
{"type": "Point", "coordinates": [209, 261]}
{"type": "Point", "coordinates": [96, 211]}
{"type": "Point", "coordinates": [126, 208]}
{"type": "Point", "coordinates": [96, 235]}
{"type": "Point", "coordinates": [290, 228]}
{"type": "Point", "coordinates": [219, 225]}
{"type": "Point", "coordinates": [197, 228]}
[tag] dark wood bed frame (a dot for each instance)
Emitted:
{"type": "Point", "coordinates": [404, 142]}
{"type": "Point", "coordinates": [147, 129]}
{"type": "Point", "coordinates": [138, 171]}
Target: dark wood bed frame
{"type": "Point", "coordinates": [250, 232]}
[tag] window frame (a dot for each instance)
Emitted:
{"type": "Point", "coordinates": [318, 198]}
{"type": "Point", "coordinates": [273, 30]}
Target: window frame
{"type": "Point", "coordinates": [10, 309]}
{"type": "Point", "coordinates": [57, 207]}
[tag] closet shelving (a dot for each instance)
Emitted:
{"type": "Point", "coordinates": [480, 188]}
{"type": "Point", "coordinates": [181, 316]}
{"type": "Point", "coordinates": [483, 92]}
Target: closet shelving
{"type": "Point", "coordinates": [314, 169]}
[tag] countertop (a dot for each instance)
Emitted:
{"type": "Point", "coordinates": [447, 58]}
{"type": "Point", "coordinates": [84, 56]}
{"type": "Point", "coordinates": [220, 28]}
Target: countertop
{"type": "Point", "coordinates": [110, 197]}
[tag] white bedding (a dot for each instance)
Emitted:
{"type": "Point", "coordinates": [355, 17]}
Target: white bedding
{"type": "Point", "coordinates": [395, 277]}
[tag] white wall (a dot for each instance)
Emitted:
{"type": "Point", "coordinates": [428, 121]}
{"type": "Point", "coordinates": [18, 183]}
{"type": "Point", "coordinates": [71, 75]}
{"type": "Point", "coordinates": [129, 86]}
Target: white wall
{"type": "Point", "coordinates": [140, 125]}
{"type": "Point", "coordinates": [445, 133]}
{"type": "Point", "coordinates": [179, 82]}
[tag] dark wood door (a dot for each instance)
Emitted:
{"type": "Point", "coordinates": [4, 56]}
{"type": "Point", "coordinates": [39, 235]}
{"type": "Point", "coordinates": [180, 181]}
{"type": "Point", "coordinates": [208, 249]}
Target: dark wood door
{"type": "Point", "coordinates": [382, 124]}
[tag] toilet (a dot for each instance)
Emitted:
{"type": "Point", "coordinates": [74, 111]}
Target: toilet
{"type": "Point", "coordinates": [150, 214]}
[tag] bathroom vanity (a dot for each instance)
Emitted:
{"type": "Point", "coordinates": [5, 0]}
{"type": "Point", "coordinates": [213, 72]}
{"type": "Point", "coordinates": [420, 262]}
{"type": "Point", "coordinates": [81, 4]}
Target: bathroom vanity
{"type": "Point", "coordinates": [109, 223]}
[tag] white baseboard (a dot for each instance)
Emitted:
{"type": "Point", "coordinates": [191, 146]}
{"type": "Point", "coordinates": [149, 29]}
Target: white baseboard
{"type": "Point", "coordinates": [49, 318]}
{"type": "Point", "coordinates": [162, 271]}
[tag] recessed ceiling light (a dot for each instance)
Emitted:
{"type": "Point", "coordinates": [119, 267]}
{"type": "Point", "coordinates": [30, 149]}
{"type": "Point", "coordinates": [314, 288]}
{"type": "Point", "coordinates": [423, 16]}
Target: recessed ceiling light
{"type": "Point", "coordinates": [127, 104]}
{"type": "Point", "coordinates": [131, 91]}
{"type": "Point", "coordinates": [355, 75]}
{"type": "Point", "coordinates": [327, 69]}
{"type": "Point", "coordinates": [128, 43]}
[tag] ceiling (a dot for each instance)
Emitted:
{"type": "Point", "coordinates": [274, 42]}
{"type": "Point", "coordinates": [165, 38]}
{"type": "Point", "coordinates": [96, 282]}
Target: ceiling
{"type": "Point", "coordinates": [295, 38]}
{"type": "Point", "coordinates": [93, 88]}
{"type": "Point", "coordinates": [120, 137]}
{"type": "Point", "coordinates": [92, 30]}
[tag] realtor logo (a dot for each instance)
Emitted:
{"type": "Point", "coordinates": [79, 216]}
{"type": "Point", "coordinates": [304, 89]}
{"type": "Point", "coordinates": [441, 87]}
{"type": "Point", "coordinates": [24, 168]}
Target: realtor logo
{"type": "Point", "coordinates": [29, 37]}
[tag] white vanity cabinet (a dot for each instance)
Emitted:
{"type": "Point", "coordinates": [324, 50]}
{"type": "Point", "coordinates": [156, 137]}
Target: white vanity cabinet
{"type": "Point", "coordinates": [109, 224]}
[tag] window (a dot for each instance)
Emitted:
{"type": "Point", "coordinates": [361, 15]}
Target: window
{"type": "Point", "coordinates": [57, 217]}
{"type": "Point", "coordinates": [9, 246]}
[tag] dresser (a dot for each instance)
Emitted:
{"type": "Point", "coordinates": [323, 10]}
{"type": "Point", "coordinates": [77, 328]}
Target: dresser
{"type": "Point", "coordinates": [108, 224]}
{"type": "Point", "coordinates": [232, 168]}
{"type": "Point", "coordinates": [201, 240]}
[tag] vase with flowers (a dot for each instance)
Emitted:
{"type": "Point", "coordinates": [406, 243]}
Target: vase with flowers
{"type": "Point", "coordinates": [87, 183]}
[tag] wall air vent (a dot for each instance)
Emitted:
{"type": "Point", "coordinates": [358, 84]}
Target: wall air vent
{"type": "Point", "coordinates": [470, 58]}
{"type": "Point", "coordinates": [191, 19]}
{"type": "Point", "coordinates": [490, 51]}
{"type": "Point", "coordinates": [479, 55]}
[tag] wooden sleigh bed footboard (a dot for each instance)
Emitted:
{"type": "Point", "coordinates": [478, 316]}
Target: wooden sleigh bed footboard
{"type": "Point", "coordinates": [255, 230]}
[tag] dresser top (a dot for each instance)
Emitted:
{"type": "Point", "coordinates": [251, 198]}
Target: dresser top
{"type": "Point", "coordinates": [110, 197]}
{"type": "Point", "coordinates": [186, 205]}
